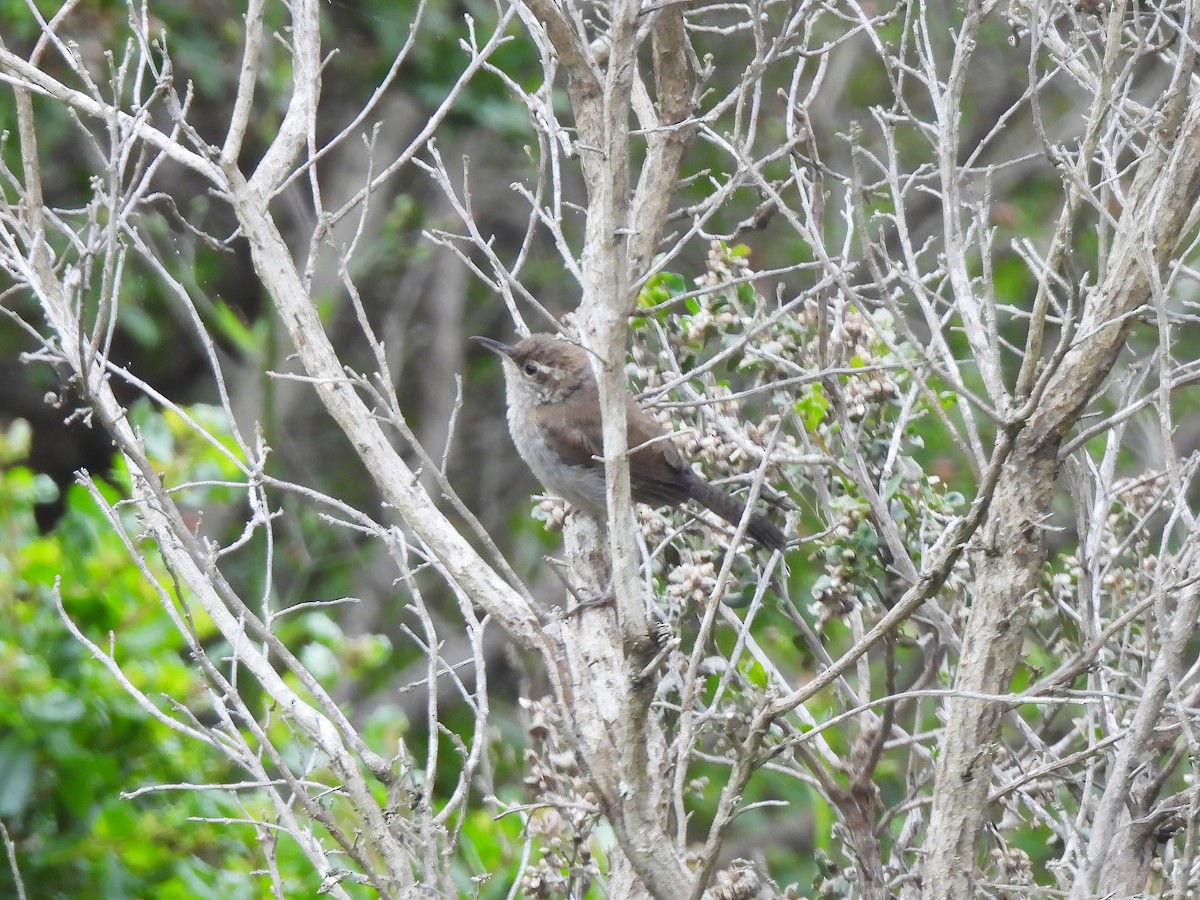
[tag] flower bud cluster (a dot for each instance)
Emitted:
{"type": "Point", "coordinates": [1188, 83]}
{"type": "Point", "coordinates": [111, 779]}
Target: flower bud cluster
{"type": "Point", "coordinates": [722, 267]}
{"type": "Point", "coordinates": [690, 582]}
{"type": "Point", "coordinates": [566, 813]}
{"type": "Point", "coordinates": [1124, 568]}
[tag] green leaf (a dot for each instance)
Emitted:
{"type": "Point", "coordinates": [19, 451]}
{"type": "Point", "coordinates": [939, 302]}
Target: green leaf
{"type": "Point", "coordinates": [231, 325]}
{"type": "Point", "coordinates": [55, 706]}
{"type": "Point", "coordinates": [320, 660]}
{"type": "Point", "coordinates": [892, 485]}
{"type": "Point", "coordinates": [14, 443]}
{"type": "Point", "coordinates": [16, 787]}
{"type": "Point", "coordinates": [659, 289]}
{"type": "Point", "coordinates": [739, 599]}
{"type": "Point", "coordinates": [812, 406]}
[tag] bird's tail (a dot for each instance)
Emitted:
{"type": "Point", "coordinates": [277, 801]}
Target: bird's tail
{"type": "Point", "coordinates": [731, 510]}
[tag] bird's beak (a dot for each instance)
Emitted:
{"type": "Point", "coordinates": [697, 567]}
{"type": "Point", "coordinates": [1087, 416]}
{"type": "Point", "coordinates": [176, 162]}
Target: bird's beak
{"type": "Point", "coordinates": [496, 347]}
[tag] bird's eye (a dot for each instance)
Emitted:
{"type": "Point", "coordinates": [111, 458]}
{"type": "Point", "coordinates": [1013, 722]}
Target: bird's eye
{"type": "Point", "coordinates": [530, 368]}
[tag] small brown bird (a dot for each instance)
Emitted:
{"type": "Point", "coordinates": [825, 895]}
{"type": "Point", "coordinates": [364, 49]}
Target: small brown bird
{"type": "Point", "coordinates": [554, 419]}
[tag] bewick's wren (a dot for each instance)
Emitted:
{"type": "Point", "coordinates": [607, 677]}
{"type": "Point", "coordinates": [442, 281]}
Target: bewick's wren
{"type": "Point", "coordinates": [554, 418]}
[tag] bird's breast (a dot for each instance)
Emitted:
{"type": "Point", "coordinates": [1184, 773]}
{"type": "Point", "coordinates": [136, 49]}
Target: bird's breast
{"type": "Point", "coordinates": [579, 485]}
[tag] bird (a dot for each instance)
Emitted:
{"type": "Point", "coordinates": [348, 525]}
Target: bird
{"type": "Point", "coordinates": [555, 422]}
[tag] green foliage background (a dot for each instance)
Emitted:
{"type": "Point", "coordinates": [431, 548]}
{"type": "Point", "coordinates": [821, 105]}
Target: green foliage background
{"type": "Point", "coordinates": [73, 739]}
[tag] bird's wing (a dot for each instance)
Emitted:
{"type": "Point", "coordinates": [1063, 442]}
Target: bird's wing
{"type": "Point", "coordinates": [572, 429]}
{"type": "Point", "coordinates": [658, 472]}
